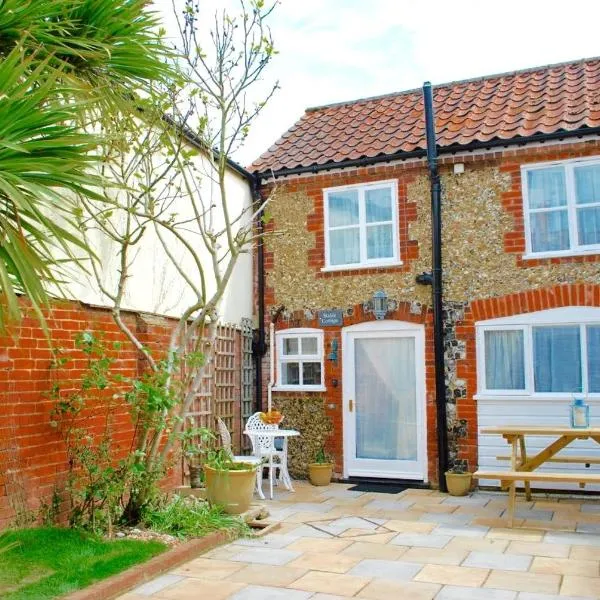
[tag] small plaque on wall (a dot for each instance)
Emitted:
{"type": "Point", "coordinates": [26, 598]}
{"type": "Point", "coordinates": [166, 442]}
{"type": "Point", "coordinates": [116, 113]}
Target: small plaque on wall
{"type": "Point", "coordinates": [331, 318]}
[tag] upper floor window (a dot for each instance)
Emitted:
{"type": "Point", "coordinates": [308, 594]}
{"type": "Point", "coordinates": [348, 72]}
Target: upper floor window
{"type": "Point", "coordinates": [361, 225]}
{"type": "Point", "coordinates": [549, 352]}
{"type": "Point", "coordinates": [562, 208]}
{"type": "Point", "coordinates": [300, 359]}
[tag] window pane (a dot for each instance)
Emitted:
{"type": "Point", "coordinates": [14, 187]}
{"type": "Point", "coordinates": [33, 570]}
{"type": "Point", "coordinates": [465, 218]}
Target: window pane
{"type": "Point", "coordinates": [290, 346]}
{"type": "Point", "coordinates": [344, 246]}
{"type": "Point", "coordinates": [593, 354]}
{"type": "Point", "coordinates": [378, 204]}
{"type": "Point", "coordinates": [546, 187]}
{"type": "Point", "coordinates": [343, 208]}
{"type": "Point", "coordinates": [588, 225]}
{"type": "Point", "coordinates": [549, 231]}
{"type": "Point", "coordinates": [290, 373]}
{"type": "Point", "coordinates": [557, 359]}
{"type": "Point", "coordinates": [311, 373]}
{"type": "Point", "coordinates": [380, 241]}
{"type": "Point", "coordinates": [504, 360]}
{"type": "Point", "coordinates": [309, 346]}
{"type": "Point", "coordinates": [587, 184]}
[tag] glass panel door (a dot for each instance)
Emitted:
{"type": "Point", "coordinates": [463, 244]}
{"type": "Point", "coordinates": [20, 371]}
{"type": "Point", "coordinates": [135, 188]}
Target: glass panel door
{"type": "Point", "coordinates": [384, 397]}
{"type": "Point", "coordinates": [386, 408]}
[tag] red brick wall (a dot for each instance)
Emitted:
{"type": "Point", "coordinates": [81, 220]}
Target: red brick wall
{"type": "Point", "coordinates": [32, 453]}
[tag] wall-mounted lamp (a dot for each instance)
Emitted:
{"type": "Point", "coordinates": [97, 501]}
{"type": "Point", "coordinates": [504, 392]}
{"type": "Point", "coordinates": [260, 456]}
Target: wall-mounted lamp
{"type": "Point", "coordinates": [380, 305]}
{"type": "Point", "coordinates": [333, 355]}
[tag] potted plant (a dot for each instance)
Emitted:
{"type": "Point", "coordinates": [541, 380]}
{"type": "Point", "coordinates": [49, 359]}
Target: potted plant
{"type": "Point", "coordinates": [229, 484]}
{"type": "Point", "coordinates": [195, 442]}
{"type": "Point", "coordinates": [458, 481]}
{"type": "Point", "coordinates": [320, 471]}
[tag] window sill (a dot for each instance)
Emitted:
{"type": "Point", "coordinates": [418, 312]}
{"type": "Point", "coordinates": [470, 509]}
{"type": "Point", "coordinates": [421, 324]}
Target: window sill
{"type": "Point", "coordinates": [557, 397]}
{"type": "Point", "coordinates": [560, 254]}
{"type": "Point", "coordinates": [298, 388]}
{"type": "Point", "coordinates": [357, 267]}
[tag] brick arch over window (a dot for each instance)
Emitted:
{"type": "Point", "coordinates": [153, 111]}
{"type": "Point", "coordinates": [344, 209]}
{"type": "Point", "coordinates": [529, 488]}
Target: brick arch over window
{"type": "Point", "coordinates": [558, 296]}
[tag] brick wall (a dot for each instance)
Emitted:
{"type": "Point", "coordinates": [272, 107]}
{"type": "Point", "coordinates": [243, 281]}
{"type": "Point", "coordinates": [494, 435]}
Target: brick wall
{"type": "Point", "coordinates": [33, 460]}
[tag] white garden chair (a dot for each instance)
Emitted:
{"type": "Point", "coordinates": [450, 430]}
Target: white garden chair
{"type": "Point", "coordinates": [226, 443]}
{"type": "Point", "coordinates": [263, 447]}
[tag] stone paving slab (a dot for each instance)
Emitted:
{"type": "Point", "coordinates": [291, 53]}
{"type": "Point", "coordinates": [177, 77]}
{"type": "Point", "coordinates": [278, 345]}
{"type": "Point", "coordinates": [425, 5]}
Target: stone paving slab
{"type": "Point", "coordinates": [418, 544]}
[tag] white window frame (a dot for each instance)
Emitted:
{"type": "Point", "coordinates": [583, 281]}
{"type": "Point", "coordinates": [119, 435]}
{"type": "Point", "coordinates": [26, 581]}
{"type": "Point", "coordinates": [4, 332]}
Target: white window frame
{"type": "Point", "coordinates": [581, 316]}
{"type": "Point", "coordinates": [298, 333]}
{"type": "Point", "coordinates": [575, 248]}
{"type": "Point", "coordinates": [364, 262]}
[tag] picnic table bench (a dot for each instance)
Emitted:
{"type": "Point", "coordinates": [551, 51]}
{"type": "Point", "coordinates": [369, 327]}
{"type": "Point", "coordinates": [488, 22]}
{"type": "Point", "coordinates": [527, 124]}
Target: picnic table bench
{"type": "Point", "coordinates": [522, 467]}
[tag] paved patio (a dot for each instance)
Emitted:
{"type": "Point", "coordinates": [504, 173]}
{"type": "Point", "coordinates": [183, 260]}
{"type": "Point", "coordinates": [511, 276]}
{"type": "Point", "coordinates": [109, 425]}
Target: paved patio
{"type": "Point", "coordinates": [419, 544]}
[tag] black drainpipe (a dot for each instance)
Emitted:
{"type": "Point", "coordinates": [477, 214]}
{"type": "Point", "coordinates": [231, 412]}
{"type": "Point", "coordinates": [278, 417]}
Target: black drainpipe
{"type": "Point", "coordinates": [259, 345]}
{"type": "Point", "coordinates": [438, 322]}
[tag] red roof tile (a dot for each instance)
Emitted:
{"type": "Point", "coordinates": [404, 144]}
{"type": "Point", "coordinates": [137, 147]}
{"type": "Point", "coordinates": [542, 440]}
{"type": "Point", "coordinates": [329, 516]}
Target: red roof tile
{"type": "Point", "coordinates": [563, 97]}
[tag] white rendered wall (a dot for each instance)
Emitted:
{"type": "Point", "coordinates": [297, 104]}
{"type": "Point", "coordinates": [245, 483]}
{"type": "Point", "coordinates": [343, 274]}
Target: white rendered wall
{"type": "Point", "coordinates": [155, 286]}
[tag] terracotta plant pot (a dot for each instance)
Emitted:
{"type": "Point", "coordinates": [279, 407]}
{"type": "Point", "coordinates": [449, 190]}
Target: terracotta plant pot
{"type": "Point", "coordinates": [195, 476]}
{"type": "Point", "coordinates": [458, 484]}
{"type": "Point", "coordinates": [230, 489]}
{"type": "Point", "coordinates": [320, 473]}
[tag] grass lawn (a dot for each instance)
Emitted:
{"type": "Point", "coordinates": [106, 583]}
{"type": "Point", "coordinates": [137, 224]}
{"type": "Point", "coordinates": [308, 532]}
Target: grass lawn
{"type": "Point", "coordinates": [48, 562]}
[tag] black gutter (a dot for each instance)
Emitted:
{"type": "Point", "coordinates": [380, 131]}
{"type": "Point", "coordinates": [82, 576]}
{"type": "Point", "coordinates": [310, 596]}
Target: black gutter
{"type": "Point", "coordinates": [436, 291]}
{"type": "Point", "coordinates": [420, 153]}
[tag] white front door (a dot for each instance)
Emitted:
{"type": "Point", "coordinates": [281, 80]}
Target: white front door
{"type": "Point", "coordinates": [384, 400]}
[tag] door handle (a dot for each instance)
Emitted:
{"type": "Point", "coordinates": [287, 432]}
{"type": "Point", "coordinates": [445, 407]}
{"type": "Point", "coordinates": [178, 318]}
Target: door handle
{"type": "Point", "coordinates": [351, 405]}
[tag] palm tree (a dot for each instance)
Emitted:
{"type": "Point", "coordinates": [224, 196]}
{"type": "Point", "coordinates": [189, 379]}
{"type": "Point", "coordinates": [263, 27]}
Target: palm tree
{"type": "Point", "coordinates": [65, 66]}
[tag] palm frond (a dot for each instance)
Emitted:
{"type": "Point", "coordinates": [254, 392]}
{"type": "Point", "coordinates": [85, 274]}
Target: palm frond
{"type": "Point", "coordinates": [44, 163]}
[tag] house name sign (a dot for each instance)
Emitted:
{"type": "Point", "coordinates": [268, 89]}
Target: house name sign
{"type": "Point", "coordinates": [331, 318]}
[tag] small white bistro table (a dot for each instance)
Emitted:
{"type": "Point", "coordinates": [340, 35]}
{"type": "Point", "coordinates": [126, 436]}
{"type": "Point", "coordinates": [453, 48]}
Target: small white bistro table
{"type": "Point", "coordinates": [261, 451]}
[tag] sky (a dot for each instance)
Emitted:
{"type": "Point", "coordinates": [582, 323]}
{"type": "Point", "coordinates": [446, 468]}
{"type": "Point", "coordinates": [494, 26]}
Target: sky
{"type": "Point", "coordinates": [337, 50]}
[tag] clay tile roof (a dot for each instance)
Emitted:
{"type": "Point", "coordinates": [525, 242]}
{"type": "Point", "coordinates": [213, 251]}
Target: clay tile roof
{"type": "Point", "coordinates": [555, 98]}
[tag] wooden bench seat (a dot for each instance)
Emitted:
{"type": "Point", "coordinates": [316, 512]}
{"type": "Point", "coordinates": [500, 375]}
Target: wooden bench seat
{"type": "Point", "coordinates": [538, 476]}
{"type": "Point", "coordinates": [510, 478]}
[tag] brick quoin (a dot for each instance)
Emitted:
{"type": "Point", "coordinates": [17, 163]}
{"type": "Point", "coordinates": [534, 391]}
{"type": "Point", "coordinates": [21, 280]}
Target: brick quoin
{"type": "Point", "coordinates": [33, 459]}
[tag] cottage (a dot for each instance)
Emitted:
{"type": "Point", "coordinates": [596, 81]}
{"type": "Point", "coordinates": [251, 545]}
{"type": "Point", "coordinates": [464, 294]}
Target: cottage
{"type": "Point", "coordinates": [350, 238]}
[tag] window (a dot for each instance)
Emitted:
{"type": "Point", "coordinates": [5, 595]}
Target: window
{"type": "Point", "coordinates": [300, 359]}
{"type": "Point", "coordinates": [562, 208]}
{"type": "Point", "coordinates": [361, 226]}
{"type": "Point", "coordinates": [550, 352]}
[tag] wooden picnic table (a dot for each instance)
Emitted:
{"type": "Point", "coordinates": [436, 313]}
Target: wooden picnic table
{"type": "Point", "coordinates": [522, 465]}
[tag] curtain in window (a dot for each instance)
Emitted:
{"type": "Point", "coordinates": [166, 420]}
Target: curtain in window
{"type": "Point", "coordinates": [379, 241]}
{"type": "Point", "coordinates": [343, 208]}
{"type": "Point", "coordinates": [587, 184]}
{"type": "Point", "coordinates": [593, 354]}
{"type": "Point", "coordinates": [549, 230]}
{"type": "Point", "coordinates": [546, 188]}
{"type": "Point", "coordinates": [386, 403]}
{"type": "Point", "coordinates": [557, 359]}
{"type": "Point", "coordinates": [344, 246]}
{"type": "Point", "coordinates": [588, 225]}
{"type": "Point", "coordinates": [504, 360]}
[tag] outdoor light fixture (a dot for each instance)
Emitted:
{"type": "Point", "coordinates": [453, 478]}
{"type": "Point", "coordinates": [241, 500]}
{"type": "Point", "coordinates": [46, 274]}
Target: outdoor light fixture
{"type": "Point", "coordinates": [333, 355]}
{"type": "Point", "coordinates": [380, 305]}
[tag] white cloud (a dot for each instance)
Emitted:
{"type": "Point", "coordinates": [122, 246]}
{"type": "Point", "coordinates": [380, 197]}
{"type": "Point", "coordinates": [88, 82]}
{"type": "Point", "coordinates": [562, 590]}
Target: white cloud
{"type": "Point", "coordinates": [335, 50]}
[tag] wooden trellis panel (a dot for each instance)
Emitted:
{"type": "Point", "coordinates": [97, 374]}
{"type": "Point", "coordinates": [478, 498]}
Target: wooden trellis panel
{"type": "Point", "coordinates": [247, 378]}
{"type": "Point", "coordinates": [224, 395]}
